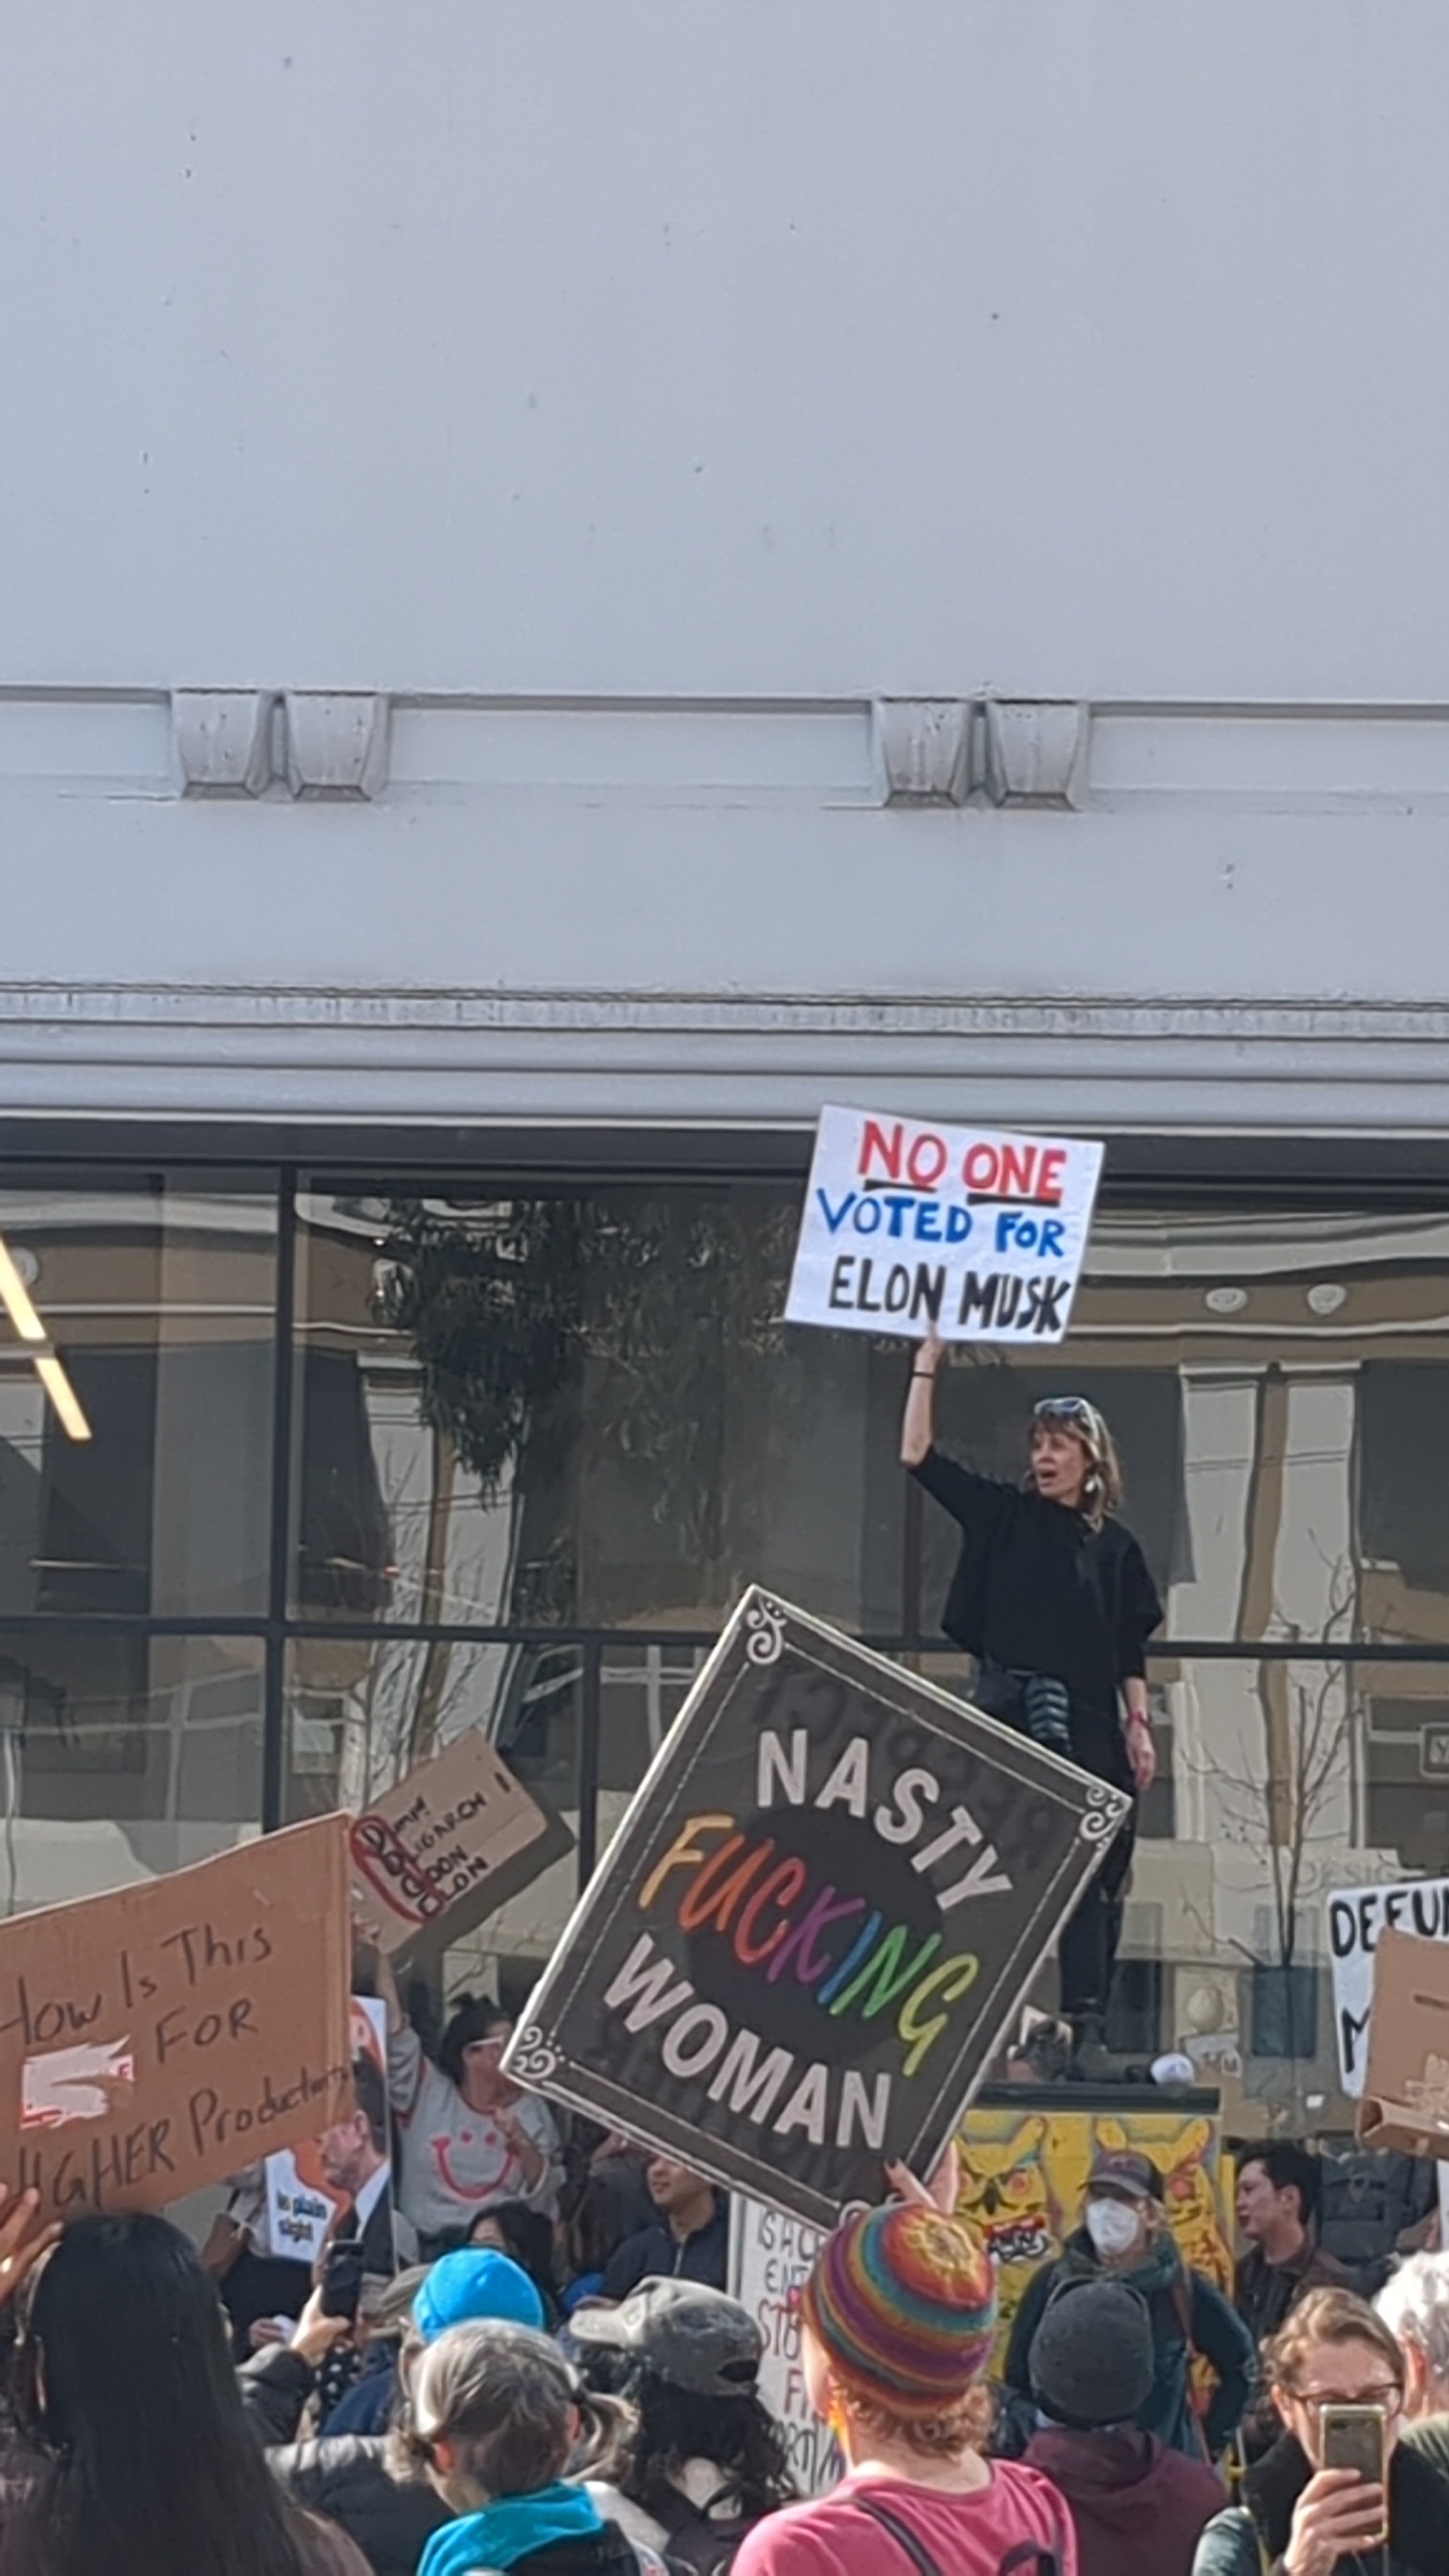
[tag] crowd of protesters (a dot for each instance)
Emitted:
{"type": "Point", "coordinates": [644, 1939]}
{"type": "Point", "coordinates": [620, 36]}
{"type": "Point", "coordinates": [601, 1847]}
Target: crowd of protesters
{"type": "Point", "coordinates": [562, 2385]}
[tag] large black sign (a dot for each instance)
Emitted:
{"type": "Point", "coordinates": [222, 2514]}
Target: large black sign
{"type": "Point", "coordinates": [815, 1922]}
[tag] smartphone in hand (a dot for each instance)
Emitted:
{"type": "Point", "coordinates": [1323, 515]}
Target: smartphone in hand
{"type": "Point", "coordinates": [1356, 2437]}
{"type": "Point", "coordinates": [342, 2279]}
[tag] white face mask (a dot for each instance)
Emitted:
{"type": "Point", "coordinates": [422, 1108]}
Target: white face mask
{"type": "Point", "coordinates": [1113, 2227]}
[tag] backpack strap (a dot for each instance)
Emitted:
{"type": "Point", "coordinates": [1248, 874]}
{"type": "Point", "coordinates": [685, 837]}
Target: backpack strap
{"type": "Point", "coordinates": [1031, 2560]}
{"type": "Point", "coordinates": [901, 2533]}
{"type": "Point", "coordinates": [1027, 2559]}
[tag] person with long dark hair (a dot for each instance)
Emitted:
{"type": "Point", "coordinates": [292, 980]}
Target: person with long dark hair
{"type": "Point", "coordinates": [707, 2460]}
{"type": "Point", "coordinates": [526, 2236]}
{"type": "Point", "coordinates": [1052, 1596]}
{"type": "Point", "coordinates": [137, 2459]}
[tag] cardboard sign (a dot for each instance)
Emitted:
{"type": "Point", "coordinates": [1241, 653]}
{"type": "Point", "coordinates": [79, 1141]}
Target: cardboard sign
{"type": "Point", "coordinates": [304, 2205]}
{"type": "Point", "coordinates": [815, 1922]}
{"type": "Point", "coordinates": [158, 2038]}
{"type": "Point", "coordinates": [1356, 1918]}
{"type": "Point", "coordinates": [1405, 2100]}
{"type": "Point", "coordinates": [449, 1844]}
{"type": "Point", "coordinates": [770, 2261]}
{"type": "Point", "coordinates": [908, 1227]}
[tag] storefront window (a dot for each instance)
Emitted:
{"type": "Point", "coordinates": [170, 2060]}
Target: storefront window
{"type": "Point", "coordinates": [581, 1411]}
{"type": "Point", "coordinates": [122, 1756]}
{"type": "Point", "coordinates": [139, 1481]}
{"type": "Point", "coordinates": [540, 1440]}
{"type": "Point", "coordinates": [1278, 1386]}
{"type": "Point", "coordinates": [361, 1713]}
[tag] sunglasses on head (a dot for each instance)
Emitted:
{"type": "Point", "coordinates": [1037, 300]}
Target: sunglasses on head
{"type": "Point", "coordinates": [1064, 1408]}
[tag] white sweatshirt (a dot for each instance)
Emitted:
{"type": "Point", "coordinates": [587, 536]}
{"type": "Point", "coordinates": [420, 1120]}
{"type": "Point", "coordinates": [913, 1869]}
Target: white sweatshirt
{"type": "Point", "coordinates": [457, 2163]}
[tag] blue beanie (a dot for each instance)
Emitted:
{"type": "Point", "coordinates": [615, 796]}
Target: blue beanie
{"type": "Point", "coordinates": [473, 2284]}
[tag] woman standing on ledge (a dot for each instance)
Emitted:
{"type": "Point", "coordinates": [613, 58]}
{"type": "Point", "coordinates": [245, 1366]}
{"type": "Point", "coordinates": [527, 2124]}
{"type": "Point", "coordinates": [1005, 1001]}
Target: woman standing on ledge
{"type": "Point", "coordinates": [1053, 1597]}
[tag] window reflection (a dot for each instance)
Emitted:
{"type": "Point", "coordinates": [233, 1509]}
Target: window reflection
{"type": "Point", "coordinates": [121, 1757]}
{"type": "Point", "coordinates": [582, 1410]}
{"type": "Point", "coordinates": [160, 1301]}
{"type": "Point", "coordinates": [360, 1715]}
{"type": "Point", "coordinates": [1279, 1387]}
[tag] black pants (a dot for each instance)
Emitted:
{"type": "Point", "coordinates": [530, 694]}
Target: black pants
{"type": "Point", "coordinates": [1091, 1937]}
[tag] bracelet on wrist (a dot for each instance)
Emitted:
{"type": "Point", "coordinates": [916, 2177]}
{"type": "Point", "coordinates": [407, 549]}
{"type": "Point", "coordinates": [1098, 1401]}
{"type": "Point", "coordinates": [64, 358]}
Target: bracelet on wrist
{"type": "Point", "coordinates": [927, 1375]}
{"type": "Point", "coordinates": [1139, 1717]}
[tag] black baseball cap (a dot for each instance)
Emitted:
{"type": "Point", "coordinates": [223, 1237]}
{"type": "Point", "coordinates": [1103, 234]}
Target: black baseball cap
{"type": "Point", "coordinates": [1124, 2176]}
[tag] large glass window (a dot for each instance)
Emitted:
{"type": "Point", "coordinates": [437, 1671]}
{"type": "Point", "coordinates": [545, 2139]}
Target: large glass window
{"type": "Point", "coordinates": [581, 1410]}
{"type": "Point", "coordinates": [1277, 1385]}
{"type": "Point", "coordinates": [533, 1441]}
{"type": "Point", "coordinates": [138, 1479]}
{"type": "Point", "coordinates": [123, 1755]}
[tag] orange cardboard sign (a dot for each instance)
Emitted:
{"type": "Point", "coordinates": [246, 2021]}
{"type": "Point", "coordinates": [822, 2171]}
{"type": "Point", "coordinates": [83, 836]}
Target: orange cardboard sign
{"type": "Point", "coordinates": [434, 1849]}
{"type": "Point", "coordinates": [155, 2039]}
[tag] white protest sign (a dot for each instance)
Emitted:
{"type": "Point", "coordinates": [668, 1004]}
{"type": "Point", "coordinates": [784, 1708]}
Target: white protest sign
{"type": "Point", "coordinates": [770, 2260]}
{"type": "Point", "coordinates": [302, 2202]}
{"type": "Point", "coordinates": [1356, 1917]}
{"type": "Point", "coordinates": [907, 1226]}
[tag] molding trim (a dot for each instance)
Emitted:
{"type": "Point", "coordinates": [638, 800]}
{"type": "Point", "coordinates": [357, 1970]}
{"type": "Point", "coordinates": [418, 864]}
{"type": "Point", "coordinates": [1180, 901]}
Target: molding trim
{"type": "Point", "coordinates": [478, 1060]}
{"type": "Point", "coordinates": [1327, 1021]}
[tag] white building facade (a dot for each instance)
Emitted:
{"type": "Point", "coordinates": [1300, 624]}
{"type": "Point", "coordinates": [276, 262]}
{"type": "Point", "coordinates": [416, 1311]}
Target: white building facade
{"type": "Point", "coordinates": [578, 582]}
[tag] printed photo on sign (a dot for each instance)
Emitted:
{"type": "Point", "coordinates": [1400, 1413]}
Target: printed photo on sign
{"type": "Point", "coordinates": [163, 2037]}
{"type": "Point", "coordinates": [963, 1231]}
{"type": "Point", "coordinates": [1356, 1918]}
{"type": "Point", "coordinates": [821, 1910]}
{"type": "Point", "coordinates": [339, 2184]}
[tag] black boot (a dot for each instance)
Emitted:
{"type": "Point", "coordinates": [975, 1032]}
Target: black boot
{"type": "Point", "coordinates": [1090, 2061]}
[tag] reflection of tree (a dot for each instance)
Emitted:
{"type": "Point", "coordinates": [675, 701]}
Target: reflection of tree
{"type": "Point", "coordinates": [576, 1330]}
{"type": "Point", "coordinates": [1280, 1806]}
{"type": "Point", "coordinates": [490, 1305]}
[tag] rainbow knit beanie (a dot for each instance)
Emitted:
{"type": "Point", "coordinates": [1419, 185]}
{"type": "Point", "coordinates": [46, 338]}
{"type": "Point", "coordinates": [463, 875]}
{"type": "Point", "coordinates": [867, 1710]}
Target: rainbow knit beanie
{"type": "Point", "coordinates": [902, 2302]}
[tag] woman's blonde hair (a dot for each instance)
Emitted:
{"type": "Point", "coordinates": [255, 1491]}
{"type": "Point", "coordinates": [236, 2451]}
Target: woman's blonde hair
{"type": "Point", "coordinates": [1102, 1494]}
{"type": "Point", "coordinates": [1331, 2317]}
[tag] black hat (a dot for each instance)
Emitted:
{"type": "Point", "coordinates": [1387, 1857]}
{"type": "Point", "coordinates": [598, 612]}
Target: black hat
{"type": "Point", "coordinates": [1124, 2176]}
{"type": "Point", "coordinates": [1092, 2361]}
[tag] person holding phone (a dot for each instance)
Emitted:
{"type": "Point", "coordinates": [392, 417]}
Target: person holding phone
{"type": "Point", "coordinates": [1053, 1597]}
{"type": "Point", "coordinates": [1307, 2516]}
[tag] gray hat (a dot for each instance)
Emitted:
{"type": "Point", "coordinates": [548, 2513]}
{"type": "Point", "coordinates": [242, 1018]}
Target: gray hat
{"type": "Point", "coordinates": [1092, 2361]}
{"type": "Point", "coordinates": [694, 2337]}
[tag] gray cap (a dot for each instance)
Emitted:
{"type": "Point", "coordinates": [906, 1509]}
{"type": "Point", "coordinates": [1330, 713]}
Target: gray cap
{"type": "Point", "coordinates": [694, 2337]}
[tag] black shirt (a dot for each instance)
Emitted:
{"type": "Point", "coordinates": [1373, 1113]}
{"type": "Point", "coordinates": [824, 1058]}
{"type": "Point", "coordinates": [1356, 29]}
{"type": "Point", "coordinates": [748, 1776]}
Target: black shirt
{"type": "Point", "coordinates": [1039, 1590]}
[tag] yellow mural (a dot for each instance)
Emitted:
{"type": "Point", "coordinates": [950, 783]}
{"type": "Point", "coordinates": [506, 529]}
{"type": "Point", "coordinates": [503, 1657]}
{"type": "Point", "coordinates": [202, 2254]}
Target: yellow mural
{"type": "Point", "coordinates": [1024, 2176]}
